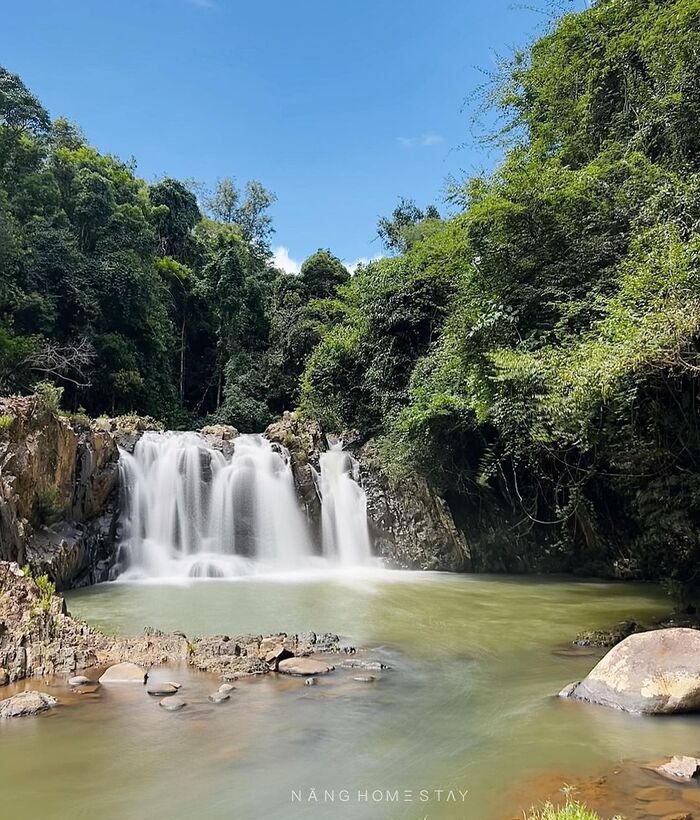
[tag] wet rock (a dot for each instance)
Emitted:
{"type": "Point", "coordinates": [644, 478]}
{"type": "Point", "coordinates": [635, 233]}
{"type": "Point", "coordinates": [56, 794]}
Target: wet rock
{"type": "Point", "coordinates": [162, 689]}
{"type": "Point", "coordinates": [680, 768]}
{"type": "Point", "coordinates": [173, 683]}
{"type": "Point", "coordinates": [219, 697]}
{"type": "Point", "coordinates": [26, 703]}
{"type": "Point", "coordinates": [4, 676]}
{"type": "Point", "coordinates": [172, 704]}
{"type": "Point", "coordinates": [358, 664]}
{"type": "Point", "coordinates": [226, 687]}
{"type": "Point", "coordinates": [274, 650]}
{"type": "Point", "coordinates": [364, 678]}
{"type": "Point", "coordinates": [569, 689]}
{"type": "Point", "coordinates": [411, 525]}
{"type": "Point", "coordinates": [304, 666]}
{"type": "Point", "coordinates": [609, 637]}
{"type": "Point", "coordinates": [310, 682]}
{"type": "Point", "coordinates": [652, 794]}
{"type": "Point", "coordinates": [223, 431]}
{"type": "Point", "coordinates": [88, 689]}
{"type": "Point", "coordinates": [125, 672]}
{"type": "Point", "coordinates": [668, 810]}
{"type": "Point", "coordinates": [78, 680]}
{"type": "Point", "coordinates": [649, 673]}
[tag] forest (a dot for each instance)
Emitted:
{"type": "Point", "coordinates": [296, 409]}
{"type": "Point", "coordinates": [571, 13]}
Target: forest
{"type": "Point", "coordinates": [535, 355]}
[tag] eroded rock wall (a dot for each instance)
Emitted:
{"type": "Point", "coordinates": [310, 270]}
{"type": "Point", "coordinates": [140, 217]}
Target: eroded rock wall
{"type": "Point", "coordinates": [58, 492]}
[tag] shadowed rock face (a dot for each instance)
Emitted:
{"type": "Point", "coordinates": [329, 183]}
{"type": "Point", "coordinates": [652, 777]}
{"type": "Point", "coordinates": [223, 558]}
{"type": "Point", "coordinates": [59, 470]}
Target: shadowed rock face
{"type": "Point", "coordinates": [58, 493]}
{"type": "Point", "coordinates": [652, 673]}
{"type": "Point", "coordinates": [411, 525]}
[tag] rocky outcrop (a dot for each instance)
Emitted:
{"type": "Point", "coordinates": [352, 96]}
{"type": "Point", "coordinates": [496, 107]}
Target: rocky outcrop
{"type": "Point", "coordinates": [305, 441]}
{"type": "Point", "coordinates": [58, 492]}
{"type": "Point", "coordinates": [126, 430]}
{"type": "Point", "coordinates": [650, 673]}
{"type": "Point", "coordinates": [411, 525]}
{"type": "Point", "coordinates": [39, 638]}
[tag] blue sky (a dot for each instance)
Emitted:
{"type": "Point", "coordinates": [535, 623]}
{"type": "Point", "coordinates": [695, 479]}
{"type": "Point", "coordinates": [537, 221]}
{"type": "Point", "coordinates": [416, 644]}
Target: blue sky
{"type": "Point", "coordinates": [338, 107]}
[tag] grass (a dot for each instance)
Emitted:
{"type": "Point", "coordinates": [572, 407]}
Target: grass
{"type": "Point", "coordinates": [6, 421]}
{"type": "Point", "coordinates": [572, 810]}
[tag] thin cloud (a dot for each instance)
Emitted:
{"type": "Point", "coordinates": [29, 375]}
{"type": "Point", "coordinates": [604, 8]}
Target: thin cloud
{"type": "Point", "coordinates": [203, 4]}
{"type": "Point", "coordinates": [282, 259]}
{"type": "Point", "coordinates": [427, 140]}
{"type": "Point", "coordinates": [363, 260]}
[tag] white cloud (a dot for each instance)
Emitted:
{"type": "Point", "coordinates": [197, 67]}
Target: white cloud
{"type": "Point", "coordinates": [427, 140]}
{"type": "Point", "coordinates": [363, 260]}
{"type": "Point", "coordinates": [282, 259]}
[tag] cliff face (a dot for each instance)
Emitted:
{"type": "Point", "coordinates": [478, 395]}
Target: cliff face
{"type": "Point", "coordinates": [58, 493]}
{"type": "Point", "coordinates": [411, 526]}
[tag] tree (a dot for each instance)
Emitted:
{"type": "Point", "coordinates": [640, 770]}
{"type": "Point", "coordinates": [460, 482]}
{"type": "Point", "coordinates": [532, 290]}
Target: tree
{"type": "Point", "coordinates": [322, 274]}
{"type": "Point", "coordinates": [175, 213]}
{"type": "Point", "coordinates": [398, 232]}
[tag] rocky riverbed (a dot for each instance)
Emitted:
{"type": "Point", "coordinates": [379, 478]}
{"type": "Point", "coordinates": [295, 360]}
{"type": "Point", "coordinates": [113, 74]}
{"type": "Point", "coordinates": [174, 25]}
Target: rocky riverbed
{"type": "Point", "coordinates": [40, 639]}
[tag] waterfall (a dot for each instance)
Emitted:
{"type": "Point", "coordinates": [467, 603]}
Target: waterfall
{"type": "Point", "coordinates": [191, 511]}
{"type": "Point", "coordinates": [344, 510]}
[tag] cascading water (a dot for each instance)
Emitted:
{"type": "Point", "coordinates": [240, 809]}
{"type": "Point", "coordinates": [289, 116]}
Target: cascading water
{"type": "Point", "coordinates": [344, 510]}
{"type": "Point", "coordinates": [191, 511]}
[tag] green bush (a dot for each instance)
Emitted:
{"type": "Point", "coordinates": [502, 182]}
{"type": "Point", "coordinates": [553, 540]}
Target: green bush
{"type": "Point", "coordinates": [49, 396]}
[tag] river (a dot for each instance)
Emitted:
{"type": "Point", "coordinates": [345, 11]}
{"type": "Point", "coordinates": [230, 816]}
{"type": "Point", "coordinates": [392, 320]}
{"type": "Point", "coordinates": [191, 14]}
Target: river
{"type": "Point", "coordinates": [467, 708]}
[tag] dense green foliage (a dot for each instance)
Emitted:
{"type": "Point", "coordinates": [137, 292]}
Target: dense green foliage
{"type": "Point", "coordinates": [536, 356]}
{"type": "Point", "coordinates": [128, 297]}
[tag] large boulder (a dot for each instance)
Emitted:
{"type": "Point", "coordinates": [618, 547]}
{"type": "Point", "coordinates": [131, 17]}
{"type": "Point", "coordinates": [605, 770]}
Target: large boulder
{"type": "Point", "coordinates": [125, 672]}
{"type": "Point", "coordinates": [26, 703]}
{"type": "Point", "coordinates": [652, 673]}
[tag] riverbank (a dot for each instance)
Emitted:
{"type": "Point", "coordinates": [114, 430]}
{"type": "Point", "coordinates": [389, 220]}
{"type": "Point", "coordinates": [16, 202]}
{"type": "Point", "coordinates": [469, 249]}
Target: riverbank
{"type": "Point", "coordinates": [40, 639]}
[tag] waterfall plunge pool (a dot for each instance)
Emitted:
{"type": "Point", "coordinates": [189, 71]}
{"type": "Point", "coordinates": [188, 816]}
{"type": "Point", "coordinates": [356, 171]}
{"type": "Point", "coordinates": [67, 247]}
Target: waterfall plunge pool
{"type": "Point", "coordinates": [467, 705]}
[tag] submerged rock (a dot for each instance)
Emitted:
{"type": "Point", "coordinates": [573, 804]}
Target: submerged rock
{"type": "Point", "coordinates": [358, 664]}
{"type": "Point", "coordinates": [26, 703]}
{"type": "Point", "coordinates": [88, 689]}
{"type": "Point", "coordinates": [364, 678]}
{"type": "Point", "coordinates": [609, 637]}
{"type": "Point", "coordinates": [649, 673]}
{"type": "Point", "coordinates": [219, 697]}
{"type": "Point", "coordinates": [162, 689]}
{"type": "Point", "coordinates": [304, 666]}
{"type": "Point", "coordinates": [226, 687]}
{"type": "Point", "coordinates": [125, 672]}
{"type": "Point", "coordinates": [173, 704]}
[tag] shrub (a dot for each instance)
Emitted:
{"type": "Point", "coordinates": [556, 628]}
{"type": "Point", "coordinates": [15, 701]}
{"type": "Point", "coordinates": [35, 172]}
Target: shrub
{"type": "Point", "coordinates": [6, 421]}
{"type": "Point", "coordinates": [49, 396]}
